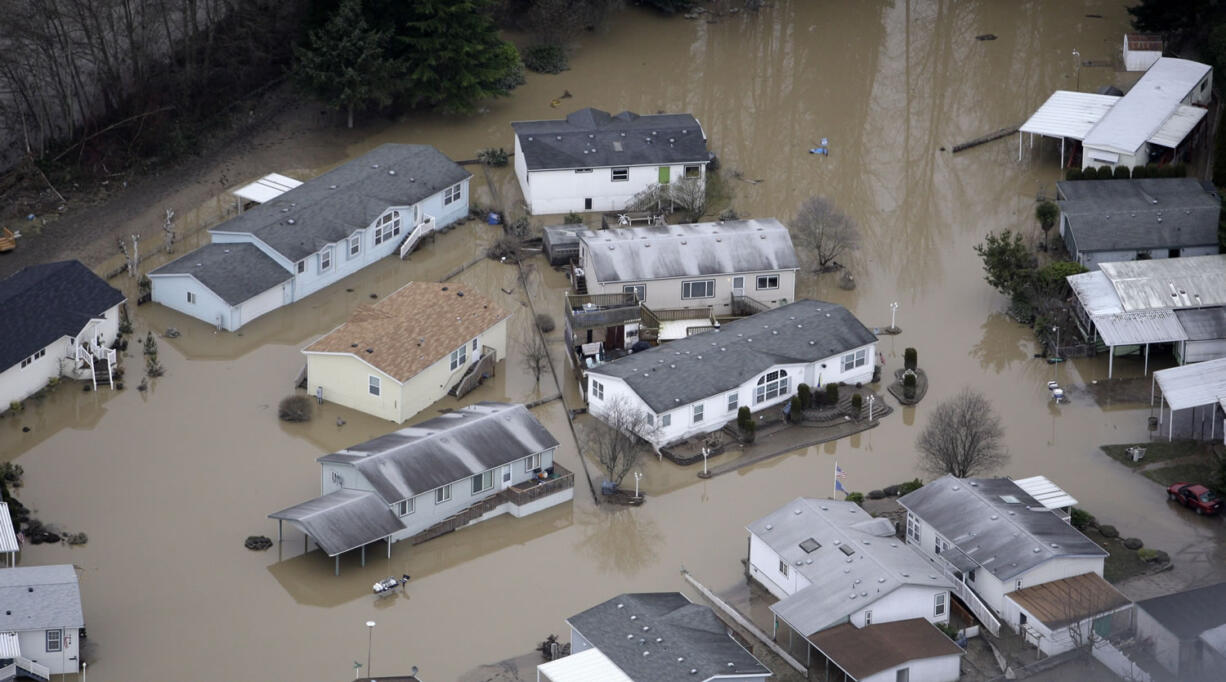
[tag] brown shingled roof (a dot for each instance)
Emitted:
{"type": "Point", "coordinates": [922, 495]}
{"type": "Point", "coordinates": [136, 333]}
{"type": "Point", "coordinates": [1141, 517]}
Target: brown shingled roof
{"type": "Point", "coordinates": [414, 327]}
{"type": "Point", "coordinates": [1068, 600]}
{"type": "Point", "coordinates": [871, 649]}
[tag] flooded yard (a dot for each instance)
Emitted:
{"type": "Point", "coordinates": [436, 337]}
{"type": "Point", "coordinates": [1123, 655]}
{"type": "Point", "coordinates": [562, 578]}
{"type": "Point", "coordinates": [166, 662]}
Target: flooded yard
{"type": "Point", "coordinates": [167, 483]}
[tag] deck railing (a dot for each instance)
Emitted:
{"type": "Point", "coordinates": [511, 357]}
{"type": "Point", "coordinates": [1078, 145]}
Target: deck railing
{"type": "Point", "coordinates": [526, 493]}
{"type": "Point", "coordinates": [967, 595]}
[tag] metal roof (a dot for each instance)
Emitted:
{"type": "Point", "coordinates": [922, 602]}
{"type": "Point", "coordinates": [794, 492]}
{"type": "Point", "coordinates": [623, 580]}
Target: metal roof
{"type": "Point", "coordinates": [446, 449]}
{"type": "Point", "coordinates": [591, 138]}
{"type": "Point", "coordinates": [1069, 114]}
{"type": "Point", "coordinates": [663, 636]}
{"type": "Point", "coordinates": [10, 646]}
{"type": "Point", "coordinates": [342, 520]}
{"type": "Point", "coordinates": [1094, 291]}
{"type": "Point", "coordinates": [1143, 111]}
{"type": "Point", "coordinates": [1178, 126]}
{"type": "Point", "coordinates": [638, 254]}
{"type": "Point", "coordinates": [1185, 613]}
{"type": "Point", "coordinates": [700, 366]}
{"type": "Point", "coordinates": [1057, 603]}
{"type": "Point", "coordinates": [40, 598]}
{"type": "Point", "coordinates": [1203, 324]}
{"type": "Point", "coordinates": [1215, 638]}
{"type": "Point", "coordinates": [8, 537]}
{"type": "Point", "coordinates": [841, 583]}
{"type": "Point", "coordinates": [1203, 383]}
{"type": "Point", "coordinates": [589, 665]}
{"type": "Point", "coordinates": [1149, 326]}
{"type": "Point", "coordinates": [1170, 283]}
{"type": "Point", "coordinates": [267, 188]}
{"type": "Point", "coordinates": [997, 523]}
{"type": "Point", "coordinates": [236, 272]}
{"type": "Point", "coordinates": [1146, 213]}
{"type": "Point", "coordinates": [1047, 493]}
{"type": "Point", "coordinates": [866, 651]}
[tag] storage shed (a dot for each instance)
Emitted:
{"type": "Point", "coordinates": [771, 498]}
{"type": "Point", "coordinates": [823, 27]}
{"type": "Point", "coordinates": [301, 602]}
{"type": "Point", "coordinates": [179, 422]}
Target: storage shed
{"type": "Point", "coordinates": [561, 243]}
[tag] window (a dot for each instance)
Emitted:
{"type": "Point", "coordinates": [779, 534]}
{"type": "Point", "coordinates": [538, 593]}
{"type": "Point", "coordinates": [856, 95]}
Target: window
{"type": "Point", "coordinates": [325, 259]}
{"type": "Point", "coordinates": [651, 419]}
{"type": "Point", "coordinates": [474, 345]}
{"type": "Point", "coordinates": [443, 494]}
{"type": "Point", "coordinates": [1017, 585]}
{"type": "Point", "coordinates": [483, 482]}
{"type": "Point", "coordinates": [55, 640]}
{"type": "Point", "coordinates": [938, 608]}
{"type": "Point", "coordinates": [868, 618]}
{"type": "Point", "coordinates": [783, 568]}
{"type": "Point", "coordinates": [854, 360]}
{"type": "Point", "coordinates": [532, 462]}
{"type": "Point", "coordinates": [355, 245]}
{"type": "Point", "coordinates": [639, 290]}
{"type": "Point", "coordinates": [913, 529]}
{"type": "Point", "coordinates": [971, 576]}
{"type": "Point", "coordinates": [939, 545]}
{"type": "Point", "coordinates": [771, 385]}
{"type": "Point", "coordinates": [37, 354]}
{"type": "Point", "coordinates": [302, 266]}
{"type": "Point", "coordinates": [587, 203]}
{"type": "Point", "coordinates": [698, 413]}
{"type": "Point", "coordinates": [583, 170]}
{"type": "Point", "coordinates": [768, 281]}
{"type": "Point", "coordinates": [732, 402]}
{"type": "Point", "coordinates": [458, 357]}
{"type": "Point", "coordinates": [699, 288]}
{"type": "Point", "coordinates": [666, 420]}
{"type": "Point", "coordinates": [451, 194]}
{"type": "Point", "coordinates": [693, 171]}
{"type": "Point", "coordinates": [191, 297]}
{"type": "Point", "coordinates": [621, 174]}
{"type": "Point", "coordinates": [373, 385]}
{"type": "Point", "coordinates": [407, 507]}
{"type": "Point", "coordinates": [597, 390]}
{"type": "Point", "coordinates": [388, 226]}
{"type": "Point", "coordinates": [902, 675]}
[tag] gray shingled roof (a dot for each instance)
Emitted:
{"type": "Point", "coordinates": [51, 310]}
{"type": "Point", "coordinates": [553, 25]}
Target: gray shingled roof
{"type": "Point", "coordinates": [1003, 538]}
{"type": "Point", "coordinates": [670, 628]}
{"type": "Point", "coordinates": [703, 365]}
{"type": "Point", "coordinates": [636, 254]}
{"type": "Point", "coordinates": [1203, 324]}
{"type": "Point", "coordinates": [343, 520]}
{"type": "Point", "coordinates": [446, 449]}
{"type": "Point", "coordinates": [39, 598]}
{"type": "Point", "coordinates": [43, 303]}
{"type": "Point", "coordinates": [1110, 215]}
{"type": "Point", "coordinates": [330, 207]}
{"type": "Point", "coordinates": [235, 272]}
{"type": "Point", "coordinates": [840, 583]}
{"type": "Point", "coordinates": [1189, 613]}
{"type": "Point", "coordinates": [591, 138]}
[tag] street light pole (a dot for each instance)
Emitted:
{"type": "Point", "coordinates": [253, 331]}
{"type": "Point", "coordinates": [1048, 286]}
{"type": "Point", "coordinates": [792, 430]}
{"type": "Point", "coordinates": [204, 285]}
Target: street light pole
{"type": "Point", "coordinates": [893, 311]}
{"type": "Point", "coordinates": [370, 634]}
{"type": "Point", "coordinates": [1077, 67]}
{"type": "Point", "coordinates": [1057, 330]}
{"type": "Point", "coordinates": [637, 476]}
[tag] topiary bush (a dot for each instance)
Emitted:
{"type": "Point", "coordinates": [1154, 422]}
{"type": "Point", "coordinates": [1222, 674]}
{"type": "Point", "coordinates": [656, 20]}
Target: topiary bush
{"type": "Point", "coordinates": [855, 497]}
{"type": "Point", "coordinates": [805, 394]}
{"type": "Point", "coordinates": [876, 494]}
{"type": "Point", "coordinates": [1090, 173]}
{"type": "Point", "coordinates": [1121, 173]}
{"type": "Point", "coordinates": [1073, 174]}
{"type": "Point", "coordinates": [832, 394]}
{"type": "Point", "coordinates": [1109, 531]}
{"type": "Point", "coordinates": [545, 58]}
{"type": "Point", "coordinates": [1105, 173]}
{"type": "Point", "coordinates": [910, 486]}
{"type": "Point", "coordinates": [744, 419]}
{"type": "Point", "coordinates": [908, 385]}
{"type": "Point", "coordinates": [1140, 172]}
{"type": "Point", "coordinates": [857, 404]}
{"type": "Point", "coordinates": [910, 359]}
{"type": "Point", "coordinates": [295, 408]}
{"type": "Point", "coordinates": [796, 413]}
{"type": "Point", "coordinates": [545, 323]}
{"type": "Point", "coordinates": [1080, 518]}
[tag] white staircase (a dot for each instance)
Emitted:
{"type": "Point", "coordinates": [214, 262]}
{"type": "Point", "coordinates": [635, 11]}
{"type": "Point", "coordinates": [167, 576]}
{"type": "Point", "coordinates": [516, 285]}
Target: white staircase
{"type": "Point", "coordinates": [425, 227]}
{"type": "Point", "coordinates": [29, 668]}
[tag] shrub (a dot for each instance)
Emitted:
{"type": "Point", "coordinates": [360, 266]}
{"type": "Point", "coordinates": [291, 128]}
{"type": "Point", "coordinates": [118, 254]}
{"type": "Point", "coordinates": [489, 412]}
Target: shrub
{"type": "Point", "coordinates": [855, 497]}
{"type": "Point", "coordinates": [544, 322]}
{"type": "Point", "coordinates": [876, 494]}
{"type": "Point", "coordinates": [545, 58]}
{"type": "Point", "coordinates": [857, 404]}
{"type": "Point", "coordinates": [295, 408]}
{"type": "Point", "coordinates": [832, 394]}
{"type": "Point", "coordinates": [910, 359]}
{"type": "Point", "coordinates": [805, 395]}
{"type": "Point", "coordinates": [1090, 173]}
{"type": "Point", "coordinates": [1140, 172]}
{"type": "Point", "coordinates": [1134, 543]}
{"type": "Point", "coordinates": [506, 247]}
{"type": "Point", "coordinates": [493, 157]}
{"type": "Point", "coordinates": [1080, 518]}
{"type": "Point", "coordinates": [76, 538]}
{"type": "Point", "coordinates": [10, 474]}
{"type": "Point", "coordinates": [125, 323]}
{"type": "Point", "coordinates": [1109, 531]}
{"type": "Point", "coordinates": [797, 410]}
{"type": "Point", "coordinates": [1179, 170]}
{"type": "Point", "coordinates": [744, 420]}
{"type": "Point", "coordinates": [1074, 174]}
{"type": "Point", "coordinates": [910, 486]}
{"type": "Point", "coordinates": [520, 228]}
{"type": "Point", "coordinates": [16, 406]}
{"type": "Point", "coordinates": [572, 218]}
{"type": "Point", "coordinates": [1153, 556]}
{"type": "Point", "coordinates": [144, 285]}
{"type": "Point", "coordinates": [151, 345]}
{"type": "Point", "coordinates": [908, 385]}
{"type": "Point", "coordinates": [153, 368]}
{"type": "Point", "coordinates": [1105, 173]}
{"type": "Point", "coordinates": [1121, 173]}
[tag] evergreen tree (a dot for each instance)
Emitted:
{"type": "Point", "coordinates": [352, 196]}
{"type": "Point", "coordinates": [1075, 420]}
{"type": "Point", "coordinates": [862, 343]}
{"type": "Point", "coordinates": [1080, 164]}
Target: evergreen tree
{"type": "Point", "coordinates": [345, 62]}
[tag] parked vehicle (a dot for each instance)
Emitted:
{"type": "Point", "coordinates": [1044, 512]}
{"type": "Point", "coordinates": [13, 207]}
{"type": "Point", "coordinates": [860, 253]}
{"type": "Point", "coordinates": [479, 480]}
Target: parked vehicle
{"type": "Point", "coordinates": [1196, 497]}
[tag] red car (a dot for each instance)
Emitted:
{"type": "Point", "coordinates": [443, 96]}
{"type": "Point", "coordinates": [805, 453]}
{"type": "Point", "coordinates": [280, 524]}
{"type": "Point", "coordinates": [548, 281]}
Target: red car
{"type": "Point", "coordinates": [1196, 497]}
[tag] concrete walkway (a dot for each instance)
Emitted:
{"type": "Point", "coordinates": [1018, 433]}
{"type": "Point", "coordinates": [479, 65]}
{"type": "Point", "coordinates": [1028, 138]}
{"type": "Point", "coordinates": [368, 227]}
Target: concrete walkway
{"type": "Point", "coordinates": [796, 437]}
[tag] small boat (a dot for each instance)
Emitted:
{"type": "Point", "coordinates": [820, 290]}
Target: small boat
{"type": "Point", "coordinates": [387, 585]}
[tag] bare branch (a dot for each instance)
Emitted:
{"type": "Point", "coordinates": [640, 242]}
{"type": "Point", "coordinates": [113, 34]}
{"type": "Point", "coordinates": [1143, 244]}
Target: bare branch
{"type": "Point", "coordinates": [617, 437]}
{"type": "Point", "coordinates": [821, 228]}
{"type": "Point", "coordinates": [964, 437]}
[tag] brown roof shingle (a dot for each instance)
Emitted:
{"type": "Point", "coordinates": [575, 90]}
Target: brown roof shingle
{"type": "Point", "coordinates": [1068, 600]}
{"type": "Point", "coordinates": [869, 650]}
{"type": "Point", "coordinates": [412, 328]}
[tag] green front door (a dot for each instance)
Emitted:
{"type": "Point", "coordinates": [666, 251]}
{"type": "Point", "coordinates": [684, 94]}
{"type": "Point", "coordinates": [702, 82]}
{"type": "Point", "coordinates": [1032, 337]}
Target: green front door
{"type": "Point", "coordinates": [664, 170]}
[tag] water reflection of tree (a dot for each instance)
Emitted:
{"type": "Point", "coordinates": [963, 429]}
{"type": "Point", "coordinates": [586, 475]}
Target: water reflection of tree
{"type": "Point", "coordinates": [621, 540]}
{"type": "Point", "coordinates": [1001, 345]}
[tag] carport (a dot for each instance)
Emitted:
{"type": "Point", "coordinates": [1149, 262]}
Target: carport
{"type": "Point", "coordinates": [1191, 387]}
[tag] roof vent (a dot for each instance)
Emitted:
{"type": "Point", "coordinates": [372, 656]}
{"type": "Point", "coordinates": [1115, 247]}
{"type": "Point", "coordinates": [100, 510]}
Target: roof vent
{"type": "Point", "coordinates": [391, 172]}
{"type": "Point", "coordinates": [1036, 550]}
{"type": "Point", "coordinates": [796, 512]}
{"type": "Point", "coordinates": [374, 165]}
{"type": "Point", "coordinates": [769, 527]}
{"type": "Point", "coordinates": [370, 350]}
{"type": "Point", "coordinates": [634, 617]}
{"type": "Point", "coordinates": [559, 137]}
{"type": "Point", "coordinates": [629, 636]}
{"type": "Point", "coordinates": [646, 628]}
{"type": "Point", "coordinates": [331, 186]}
{"type": "Point", "coordinates": [881, 580]}
{"type": "Point", "coordinates": [290, 221]}
{"type": "Point", "coordinates": [994, 517]}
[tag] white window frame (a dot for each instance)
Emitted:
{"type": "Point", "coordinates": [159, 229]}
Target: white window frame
{"type": "Point", "coordinates": [938, 605]}
{"type": "Point", "coordinates": [688, 289]}
{"type": "Point", "coordinates": [406, 507]}
{"type": "Point", "coordinates": [768, 285]}
{"type": "Point", "coordinates": [693, 172]}
{"type": "Point", "coordinates": [191, 297]}
{"type": "Point", "coordinates": [532, 462]}
{"type": "Point", "coordinates": [868, 617]}
{"type": "Point", "coordinates": [734, 399]}
{"type": "Point", "coordinates": [302, 266]}
{"type": "Point", "coordinates": [666, 420]}
{"type": "Point", "coordinates": [771, 385]}
{"type": "Point", "coordinates": [853, 360]}
{"type": "Point", "coordinates": [458, 357]}
{"type": "Point", "coordinates": [58, 639]}
{"type": "Point", "coordinates": [583, 170]}
{"type": "Point", "coordinates": [325, 259]}
{"type": "Point", "coordinates": [442, 494]}
{"type": "Point", "coordinates": [623, 172]}
{"type": "Point", "coordinates": [783, 568]}
{"type": "Point", "coordinates": [30, 360]}
{"type": "Point", "coordinates": [452, 194]}
{"type": "Point", "coordinates": [939, 545]}
{"type": "Point", "coordinates": [697, 412]}
{"type": "Point", "coordinates": [639, 290]}
{"type": "Point", "coordinates": [597, 390]}
{"type": "Point", "coordinates": [913, 529]}
{"type": "Point", "coordinates": [374, 385]}
{"type": "Point", "coordinates": [355, 245]}
{"type": "Point", "coordinates": [482, 482]}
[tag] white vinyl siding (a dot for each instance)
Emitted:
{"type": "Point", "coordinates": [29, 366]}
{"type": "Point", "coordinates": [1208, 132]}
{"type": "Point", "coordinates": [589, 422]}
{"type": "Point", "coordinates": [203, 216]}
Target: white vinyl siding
{"type": "Point", "coordinates": [30, 360]}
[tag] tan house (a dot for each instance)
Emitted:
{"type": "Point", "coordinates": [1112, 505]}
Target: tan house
{"type": "Point", "coordinates": [396, 357]}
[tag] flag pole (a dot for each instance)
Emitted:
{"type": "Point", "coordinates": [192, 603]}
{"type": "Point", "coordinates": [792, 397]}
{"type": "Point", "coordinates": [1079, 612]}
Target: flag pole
{"type": "Point", "coordinates": [834, 492]}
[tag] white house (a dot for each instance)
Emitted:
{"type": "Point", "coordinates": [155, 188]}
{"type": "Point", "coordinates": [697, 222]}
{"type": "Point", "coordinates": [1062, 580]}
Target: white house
{"type": "Point", "coordinates": [1141, 50]}
{"type": "Point", "coordinates": [459, 468]}
{"type": "Point", "coordinates": [41, 622]}
{"type": "Point", "coordinates": [56, 319]}
{"type": "Point", "coordinates": [648, 637]}
{"type": "Point", "coordinates": [591, 161]}
{"type": "Point", "coordinates": [696, 266]}
{"type": "Point", "coordinates": [1186, 631]}
{"type": "Point", "coordinates": [315, 234]}
{"type": "Point", "coordinates": [993, 540]}
{"type": "Point", "coordinates": [911, 650]}
{"type": "Point", "coordinates": [398, 356]}
{"type": "Point", "coordinates": [695, 385]}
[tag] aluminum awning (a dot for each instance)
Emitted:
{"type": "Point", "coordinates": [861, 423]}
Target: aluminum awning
{"type": "Point", "coordinates": [1069, 114]}
{"type": "Point", "coordinates": [1203, 383]}
{"type": "Point", "coordinates": [1177, 128]}
{"type": "Point", "coordinates": [10, 647]}
{"type": "Point", "coordinates": [8, 538]}
{"type": "Point", "coordinates": [589, 665]}
{"type": "Point", "coordinates": [267, 188]}
{"type": "Point", "coordinates": [1050, 495]}
{"type": "Point", "coordinates": [343, 520]}
{"type": "Point", "coordinates": [1134, 329]}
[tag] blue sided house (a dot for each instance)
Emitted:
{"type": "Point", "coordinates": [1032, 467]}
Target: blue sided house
{"type": "Point", "coordinates": [315, 234]}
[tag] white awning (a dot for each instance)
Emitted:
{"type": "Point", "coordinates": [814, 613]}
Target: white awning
{"type": "Point", "coordinates": [589, 665]}
{"type": "Point", "coordinates": [267, 188]}
{"type": "Point", "coordinates": [8, 539]}
{"type": "Point", "coordinates": [1102, 155]}
{"type": "Point", "coordinates": [1134, 329]}
{"type": "Point", "coordinates": [1203, 383]}
{"type": "Point", "coordinates": [1050, 495]}
{"type": "Point", "coordinates": [1178, 126]}
{"type": "Point", "coordinates": [1069, 114]}
{"type": "Point", "coordinates": [1094, 291]}
{"type": "Point", "coordinates": [10, 648]}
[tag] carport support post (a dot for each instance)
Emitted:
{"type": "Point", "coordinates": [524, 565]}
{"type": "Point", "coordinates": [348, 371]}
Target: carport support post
{"type": "Point", "coordinates": [1110, 360]}
{"type": "Point", "coordinates": [363, 556]}
{"type": "Point", "coordinates": [1146, 361]}
{"type": "Point", "coordinates": [389, 547]}
{"type": "Point", "coordinates": [1061, 152]}
{"type": "Point", "coordinates": [338, 564]}
{"type": "Point", "coordinates": [1170, 433]}
{"type": "Point", "coordinates": [1020, 135]}
{"type": "Point", "coordinates": [280, 536]}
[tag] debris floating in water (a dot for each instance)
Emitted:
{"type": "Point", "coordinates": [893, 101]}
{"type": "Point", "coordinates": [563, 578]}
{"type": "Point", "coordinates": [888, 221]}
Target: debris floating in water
{"type": "Point", "coordinates": [986, 36]}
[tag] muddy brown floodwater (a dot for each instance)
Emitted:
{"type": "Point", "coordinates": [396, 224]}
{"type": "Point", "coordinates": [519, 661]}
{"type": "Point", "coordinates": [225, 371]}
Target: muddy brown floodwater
{"type": "Point", "coordinates": [168, 483]}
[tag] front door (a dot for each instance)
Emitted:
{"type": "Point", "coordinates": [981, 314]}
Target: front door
{"type": "Point", "coordinates": [506, 476]}
{"type": "Point", "coordinates": [738, 286]}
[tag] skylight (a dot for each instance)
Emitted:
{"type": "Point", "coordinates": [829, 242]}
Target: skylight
{"type": "Point", "coordinates": [847, 549]}
{"type": "Point", "coordinates": [1010, 499]}
{"type": "Point", "coordinates": [810, 545]}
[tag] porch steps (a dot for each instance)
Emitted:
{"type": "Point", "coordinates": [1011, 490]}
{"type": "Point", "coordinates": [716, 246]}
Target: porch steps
{"type": "Point", "coordinates": [476, 373]}
{"type": "Point", "coordinates": [32, 670]}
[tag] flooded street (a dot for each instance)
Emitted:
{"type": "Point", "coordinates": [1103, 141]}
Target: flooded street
{"type": "Point", "coordinates": [168, 483]}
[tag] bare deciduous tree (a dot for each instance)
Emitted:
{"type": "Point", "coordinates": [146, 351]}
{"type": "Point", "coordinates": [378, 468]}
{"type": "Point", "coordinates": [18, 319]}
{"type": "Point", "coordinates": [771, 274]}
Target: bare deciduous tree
{"type": "Point", "coordinates": [617, 437]}
{"type": "Point", "coordinates": [536, 355]}
{"type": "Point", "coordinates": [820, 227]}
{"type": "Point", "coordinates": [964, 437]}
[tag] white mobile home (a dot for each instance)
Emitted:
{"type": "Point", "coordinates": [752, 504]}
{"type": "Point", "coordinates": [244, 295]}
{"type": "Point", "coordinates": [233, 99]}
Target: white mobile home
{"type": "Point", "coordinates": [41, 621]}
{"type": "Point", "coordinates": [591, 161]}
